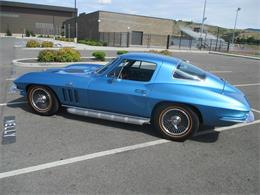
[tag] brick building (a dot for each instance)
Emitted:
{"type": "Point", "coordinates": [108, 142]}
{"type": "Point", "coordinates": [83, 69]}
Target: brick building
{"type": "Point", "coordinates": [119, 29]}
{"type": "Point", "coordinates": [40, 19]}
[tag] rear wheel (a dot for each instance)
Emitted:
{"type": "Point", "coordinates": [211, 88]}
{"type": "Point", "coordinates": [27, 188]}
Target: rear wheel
{"type": "Point", "coordinates": [175, 122]}
{"type": "Point", "coordinates": [42, 100]}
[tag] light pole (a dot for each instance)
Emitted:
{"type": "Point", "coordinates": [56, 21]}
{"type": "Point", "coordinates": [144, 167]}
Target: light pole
{"type": "Point", "coordinates": [76, 24]}
{"type": "Point", "coordinates": [99, 33]}
{"type": "Point", "coordinates": [233, 37]}
{"type": "Point", "coordinates": [128, 36]}
{"type": "Point", "coordinates": [203, 19]}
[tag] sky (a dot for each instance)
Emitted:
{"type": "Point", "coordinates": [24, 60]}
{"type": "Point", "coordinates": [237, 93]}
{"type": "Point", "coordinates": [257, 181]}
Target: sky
{"type": "Point", "coordinates": [218, 12]}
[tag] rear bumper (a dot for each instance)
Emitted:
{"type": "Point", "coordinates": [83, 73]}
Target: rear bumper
{"type": "Point", "coordinates": [249, 117]}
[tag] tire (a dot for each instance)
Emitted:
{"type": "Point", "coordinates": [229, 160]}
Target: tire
{"type": "Point", "coordinates": [175, 121]}
{"type": "Point", "coordinates": [42, 100]}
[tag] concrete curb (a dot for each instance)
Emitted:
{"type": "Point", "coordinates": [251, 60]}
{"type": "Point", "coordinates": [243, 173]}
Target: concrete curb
{"type": "Point", "coordinates": [234, 55]}
{"type": "Point", "coordinates": [133, 49]}
{"type": "Point", "coordinates": [17, 62]}
{"type": "Point", "coordinates": [43, 48]}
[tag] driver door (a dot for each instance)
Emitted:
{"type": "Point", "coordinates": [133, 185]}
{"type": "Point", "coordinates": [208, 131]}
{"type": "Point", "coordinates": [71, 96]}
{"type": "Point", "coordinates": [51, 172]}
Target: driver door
{"type": "Point", "coordinates": [123, 90]}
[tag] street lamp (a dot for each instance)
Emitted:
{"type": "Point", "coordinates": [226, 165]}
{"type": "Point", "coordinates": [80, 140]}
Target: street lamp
{"type": "Point", "coordinates": [76, 24]}
{"type": "Point", "coordinates": [128, 36]}
{"type": "Point", "coordinates": [233, 37]}
{"type": "Point", "coordinates": [203, 19]}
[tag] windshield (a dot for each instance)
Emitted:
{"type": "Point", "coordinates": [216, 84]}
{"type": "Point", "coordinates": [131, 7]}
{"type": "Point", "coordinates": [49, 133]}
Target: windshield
{"type": "Point", "coordinates": [105, 67]}
{"type": "Point", "coordinates": [187, 71]}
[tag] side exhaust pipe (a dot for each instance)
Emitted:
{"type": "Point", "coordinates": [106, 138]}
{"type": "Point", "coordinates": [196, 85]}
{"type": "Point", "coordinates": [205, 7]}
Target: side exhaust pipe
{"type": "Point", "coordinates": [109, 116]}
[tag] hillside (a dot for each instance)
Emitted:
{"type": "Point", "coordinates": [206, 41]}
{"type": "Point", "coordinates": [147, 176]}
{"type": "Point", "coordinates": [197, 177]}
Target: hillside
{"type": "Point", "coordinates": [224, 33]}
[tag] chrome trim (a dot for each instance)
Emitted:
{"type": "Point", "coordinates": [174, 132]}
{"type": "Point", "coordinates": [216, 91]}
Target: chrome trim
{"type": "Point", "coordinates": [41, 99]}
{"type": "Point", "coordinates": [107, 115]}
{"type": "Point", "coordinates": [175, 121]}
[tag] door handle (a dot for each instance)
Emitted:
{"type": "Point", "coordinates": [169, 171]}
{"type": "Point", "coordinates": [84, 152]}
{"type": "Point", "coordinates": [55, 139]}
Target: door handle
{"type": "Point", "coordinates": [141, 91]}
{"type": "Point", "coordinates": [70, 84]}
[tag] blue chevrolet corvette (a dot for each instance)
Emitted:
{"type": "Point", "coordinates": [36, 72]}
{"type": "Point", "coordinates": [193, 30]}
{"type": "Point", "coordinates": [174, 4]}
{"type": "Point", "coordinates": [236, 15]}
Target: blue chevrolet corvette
{"type": "Point", "coordinates": [171, 94]}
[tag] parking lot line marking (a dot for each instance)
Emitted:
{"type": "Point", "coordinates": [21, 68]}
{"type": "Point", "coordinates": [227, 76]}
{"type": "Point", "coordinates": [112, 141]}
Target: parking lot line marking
{"type": "Point", "coordinates": [10, 79]}
{"type": "Point", "coordinates": [245, 85]}
{"type": "Point", "coordinates": [12, 103]}
{"type": "Point", "coordinates": [220, 129]}
{"type": "Point", "coordinates": [106, 153]}
{"type": "Point", "coordinates": [255, 110]}
{"type": "Point", "coordinates": [221, 71]}
{"type": "Point", "coordinates": [81, 158]}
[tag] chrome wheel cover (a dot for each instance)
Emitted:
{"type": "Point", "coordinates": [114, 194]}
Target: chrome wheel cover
{"type": "Point", "coordinates": [175, 122]}
{"type": "Point", "coordinates": [40, 99]}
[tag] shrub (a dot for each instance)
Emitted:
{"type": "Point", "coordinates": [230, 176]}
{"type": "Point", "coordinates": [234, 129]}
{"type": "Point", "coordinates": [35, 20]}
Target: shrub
{"type": "Point", "coordinates": [47, 56]}
{"type": "Point", "coordinates": [99, 55]}
{"type": "Point", "coordinates": [62, 55]}
{"type": "Point", "coordinates": [33, 43]}
{"type": "Point", "coordinates": [64, 39]}
{"type": "Point", "coordinates": [92, 42]}
{"type": "Point", "coordinates": [27, 33]}
{"type": "Point", "coordinates": [47, 44]}
{"type": "Point", "coordinates": [8, 33]}
{"type": "Point", "coordinates": [67, 55]}
{"type": "Point", "coordinates": [163, 52]}
{"type": "Point", "coordinates": [166, 52]}
{"type": "Point", "coordinates": [120, 52]}
{"type": "Point", "coordinates": [42, 36]}
{"type": "Point", "coordinates": [32, 34]}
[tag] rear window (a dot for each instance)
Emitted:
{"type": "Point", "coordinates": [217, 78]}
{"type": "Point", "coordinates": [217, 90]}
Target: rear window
{"type": "Point", "coordinates": [187, 71]}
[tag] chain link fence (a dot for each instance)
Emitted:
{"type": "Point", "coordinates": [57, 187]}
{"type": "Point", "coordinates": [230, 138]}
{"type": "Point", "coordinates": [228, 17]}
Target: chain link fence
{"type": "Point", "coordinates": [138, 39]}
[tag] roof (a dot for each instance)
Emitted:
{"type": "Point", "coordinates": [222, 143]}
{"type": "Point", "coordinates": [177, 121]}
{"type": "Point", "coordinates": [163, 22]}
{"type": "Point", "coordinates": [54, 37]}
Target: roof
{"type": "Point", "coordinates": [36, 6]}
{"type": "Point", "coordinates": [152, 57]}
{"type": "Point", "coordinates": [130, 15]}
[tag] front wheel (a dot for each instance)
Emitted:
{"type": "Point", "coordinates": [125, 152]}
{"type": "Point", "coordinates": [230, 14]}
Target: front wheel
{"type": "Point", "coordinates": [42, 100]}
{"type": "Point", "coordinates": [175, 122]}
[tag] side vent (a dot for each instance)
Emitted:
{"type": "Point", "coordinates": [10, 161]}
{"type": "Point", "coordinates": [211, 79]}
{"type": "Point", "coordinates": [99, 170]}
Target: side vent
{"type": "Point", "coordinates": [70, 95]}
{"type": "Point", "coordinates": [76, 96]}
{"type": "Point", "coordinates": [64, 93]}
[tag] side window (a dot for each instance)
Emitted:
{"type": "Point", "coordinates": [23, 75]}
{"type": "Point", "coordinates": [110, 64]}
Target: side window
{"type": "Point", "coordinates": [117, 70]}
{"type": "Point", "coordinates": [148, 66]}
{"type": "Point", "coordinates": [136, 64]}
{"type": "Point", "coordinates": [134, 70]}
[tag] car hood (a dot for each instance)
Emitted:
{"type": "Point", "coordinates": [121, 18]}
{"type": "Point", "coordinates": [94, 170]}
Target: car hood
{"type": "Point", "coordinates": [76, 69]}
{"type": "Point", "coordinates": [58, 76]}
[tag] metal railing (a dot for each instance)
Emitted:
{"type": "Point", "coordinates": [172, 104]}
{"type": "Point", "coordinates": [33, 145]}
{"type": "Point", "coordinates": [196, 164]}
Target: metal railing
{"type": "Point", "coordinates": [126, 39]}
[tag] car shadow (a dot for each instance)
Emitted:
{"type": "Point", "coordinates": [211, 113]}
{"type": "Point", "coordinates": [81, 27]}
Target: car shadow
{"type": "Point", "coordinates": [206, 134]}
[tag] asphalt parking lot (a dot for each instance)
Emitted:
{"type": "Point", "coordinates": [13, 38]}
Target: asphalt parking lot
{"type": "Point", "coordinates": [122, 158]}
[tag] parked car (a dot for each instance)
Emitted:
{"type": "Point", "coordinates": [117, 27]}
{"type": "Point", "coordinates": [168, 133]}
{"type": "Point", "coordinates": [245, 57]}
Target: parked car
{"type": "Point", "coordinates": [139, 88]}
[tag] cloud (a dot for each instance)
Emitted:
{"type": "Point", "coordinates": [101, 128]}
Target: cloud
{"type": "Point", "coordinates": [104, 1]}
{"type": "Point", "coordinates": [218, 12]}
